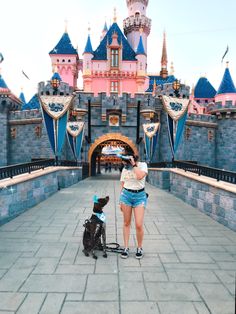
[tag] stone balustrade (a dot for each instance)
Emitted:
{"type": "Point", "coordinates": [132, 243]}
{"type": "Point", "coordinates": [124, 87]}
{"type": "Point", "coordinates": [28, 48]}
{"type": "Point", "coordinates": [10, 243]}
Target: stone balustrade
{"type": "Point", "coordinates": [215, 199]}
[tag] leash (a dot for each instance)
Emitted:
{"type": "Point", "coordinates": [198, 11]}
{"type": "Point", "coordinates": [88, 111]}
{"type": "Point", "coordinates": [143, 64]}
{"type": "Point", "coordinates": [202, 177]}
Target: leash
{"type": "Point", "coordinates": [114, 247]}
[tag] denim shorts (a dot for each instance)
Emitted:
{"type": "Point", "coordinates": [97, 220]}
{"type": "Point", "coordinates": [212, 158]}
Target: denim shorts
{"type": "Point", "coordinates": [133, 199]}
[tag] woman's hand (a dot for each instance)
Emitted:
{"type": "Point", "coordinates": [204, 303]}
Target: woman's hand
{"type": "Point", "coordinates": [133, 163]}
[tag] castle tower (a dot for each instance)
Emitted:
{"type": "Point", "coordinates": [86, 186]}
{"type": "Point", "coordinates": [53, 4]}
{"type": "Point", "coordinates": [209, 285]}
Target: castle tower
{"type": "Point", "coordinates": [142, 81]}
{"type": "Point", "coordinates": [164, 61]}
{"type": "Point", "coordinates": [137, 19]}
{"type": "Point", "coordinates": [87, 65]}
{"type": "Point", "coordinates": [104, 31]}
{"type": "Point", "coordinates": [66, 58]}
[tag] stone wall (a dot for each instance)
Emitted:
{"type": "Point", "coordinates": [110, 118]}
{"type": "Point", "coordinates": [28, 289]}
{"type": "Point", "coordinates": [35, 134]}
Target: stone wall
{"type": "Point", "coordinates": [226, 143]}
{"type": "Point", "coordinates": [17, 198]}
{"type": "Point", "coordinates": [206, 139]}
{"type": "Point", "coordinates": [3, 134]}
{"type": "Point", "coordinates": [216, 202]}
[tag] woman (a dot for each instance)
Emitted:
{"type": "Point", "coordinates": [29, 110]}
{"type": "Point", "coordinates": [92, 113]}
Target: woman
{"type": "Point", "coordinates": [133, 197]}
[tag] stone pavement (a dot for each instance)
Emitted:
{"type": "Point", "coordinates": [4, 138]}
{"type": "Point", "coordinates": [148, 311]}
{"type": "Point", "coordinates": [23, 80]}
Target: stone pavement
{"type": "Point", "coordinates": [188, 268]}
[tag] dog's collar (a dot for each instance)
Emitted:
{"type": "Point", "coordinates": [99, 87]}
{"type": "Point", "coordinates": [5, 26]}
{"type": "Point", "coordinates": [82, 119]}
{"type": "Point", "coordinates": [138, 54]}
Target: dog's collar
{"type": "Point", "coordinates": [101, 216]}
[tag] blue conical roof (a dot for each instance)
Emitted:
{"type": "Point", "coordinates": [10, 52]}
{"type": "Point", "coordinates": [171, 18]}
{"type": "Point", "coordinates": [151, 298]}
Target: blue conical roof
{"type": "Point", "coordinates": [32, 104]}
{"type": "Point", "coordinates": [88, 47]}
{"type": "Point", "coordinates": [227, 84]}
{"type": "Point", "coordinates": [56, 76]}
{"type": "Point", "coordinates": [2, 82]}
{"type": "Point", "coordinates": [64, 46]}
{"type": "Point", "coordinates": [22, 97]}
{"type": "Point", "coordinates": [204, 89]}
{"type": "Point", "coordinates": [140, 49]}
{"type": "Point", "coordinates": [101, 52]}
{"type": "Point", "coordinates": [105, 29]}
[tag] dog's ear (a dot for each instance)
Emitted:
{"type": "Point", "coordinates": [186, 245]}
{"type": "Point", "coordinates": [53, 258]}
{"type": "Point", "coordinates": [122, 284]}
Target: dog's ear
{"type": "Point", "coordinates": [107, 198]}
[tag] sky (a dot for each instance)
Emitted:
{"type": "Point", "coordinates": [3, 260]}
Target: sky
{"type": "Point", "coordinates": [197, 34]}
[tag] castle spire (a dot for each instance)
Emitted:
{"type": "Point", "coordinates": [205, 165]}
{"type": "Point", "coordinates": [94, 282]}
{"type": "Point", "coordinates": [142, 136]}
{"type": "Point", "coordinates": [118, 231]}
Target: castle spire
{"type": "Point", "coordinates": [140, 49]}
{"type": "Point", "coordinates": [66, 26]}
{"type": "Point", "coordinates": [88, 48]}
{"type": "Point", "coordinates": [115, 16]}
{"type": "Point", "coordinates": [164, 61]}
{"type": "Point", "coordinates": [227, 85]}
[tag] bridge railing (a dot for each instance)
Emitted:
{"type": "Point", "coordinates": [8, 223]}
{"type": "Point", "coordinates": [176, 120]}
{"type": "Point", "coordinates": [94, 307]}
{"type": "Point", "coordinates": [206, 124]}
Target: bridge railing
{"type": "Point", "coordinates": [18, 169]}
{"type": "Point", "coordinates": [215, 173]}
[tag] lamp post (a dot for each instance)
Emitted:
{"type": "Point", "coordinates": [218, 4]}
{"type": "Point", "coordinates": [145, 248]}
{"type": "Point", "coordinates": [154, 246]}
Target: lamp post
{"type": "Point", "coordinates": [176, 87]}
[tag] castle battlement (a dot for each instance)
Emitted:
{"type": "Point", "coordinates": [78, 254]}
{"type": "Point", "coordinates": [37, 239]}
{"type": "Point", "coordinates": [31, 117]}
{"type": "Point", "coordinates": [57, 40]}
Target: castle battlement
{"type": "Point", "coordinates": [134, 23]}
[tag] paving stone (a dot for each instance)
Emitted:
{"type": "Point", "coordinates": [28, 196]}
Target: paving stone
{"type": "Point", "coordinates": [187, 275]}
{"type": "Point", "coordinates": [132, 292]}
{"type": "Point", "coordinates": [54, 283]}
{"type": "Point", "coordinates": [167, 291]}
{"type": "Point", "coordinates": [13, 279]}
{"type": "Point", "coordinates": [90, 307]}
{"type": "Point", "coordinates": [46, 266]}
{"type": "Point", "coordinates": [11, 301]}
{"type": "Point", "coordinates": [101, 287]}
{"type": "Point", "coordinates": [53, 303]}
{"type": "Point", "coordinates": [177, 307]}
{"type": "Point", "coordinates": [139, 307]}
{"type": "Point", "coordinates": [32, 303]}
{"type": "Point", "coordinates": [75, 269]}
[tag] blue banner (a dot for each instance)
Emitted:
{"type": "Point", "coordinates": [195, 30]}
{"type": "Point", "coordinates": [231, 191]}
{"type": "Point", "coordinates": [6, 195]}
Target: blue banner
{"type": "Point", "coordinates": [75, 134]}
{"type": "Point", "coordinates": [151, 132]}
{"type": "Point", "coordinates": [55, 111]}
{"type": "Point", "coordinates": [177, 111]}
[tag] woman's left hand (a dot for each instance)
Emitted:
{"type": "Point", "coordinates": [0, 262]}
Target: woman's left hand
{"type": "Point", "coordinates": [132, 161]}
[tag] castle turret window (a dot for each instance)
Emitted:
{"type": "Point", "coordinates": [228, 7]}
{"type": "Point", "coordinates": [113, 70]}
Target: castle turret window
{"type": "Point", "coordinates": [115, 58]}
{"type": "Point", "coordinates": [114, 86]}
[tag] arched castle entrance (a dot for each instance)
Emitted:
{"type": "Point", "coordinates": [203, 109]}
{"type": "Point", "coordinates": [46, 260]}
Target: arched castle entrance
{"type": "Point", "coordinates": [106, 139]}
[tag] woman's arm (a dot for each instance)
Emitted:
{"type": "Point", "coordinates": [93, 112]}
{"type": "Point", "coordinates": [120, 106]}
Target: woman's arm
{"type": "Point", "coordinates": [140, 174]}
{"type": "Point", "coordinates": [121, 185]}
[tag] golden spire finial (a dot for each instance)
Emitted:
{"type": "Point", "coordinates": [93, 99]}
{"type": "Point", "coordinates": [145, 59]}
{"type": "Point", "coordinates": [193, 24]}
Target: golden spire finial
{"type": "Point", "coordinates": [172, 69]}
{"type": "Point", "coordinates": [115, 16]}
{"type": "Point", "coordinates": [66, 25]}
{"type": "Point", "coordinates": [227, 64]}
{"type": "Point", "coordinates": [89, 27]}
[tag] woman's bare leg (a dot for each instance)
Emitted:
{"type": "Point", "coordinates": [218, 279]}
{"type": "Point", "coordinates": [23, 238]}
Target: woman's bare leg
{"type": "Point", "coordinates": [139, 217]}
{"type": "Point", "coordinates": [127, 214]}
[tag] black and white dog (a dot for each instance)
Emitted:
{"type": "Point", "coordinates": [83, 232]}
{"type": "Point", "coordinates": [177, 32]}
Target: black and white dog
{"type": "Point", "coordinates": [95, 229]}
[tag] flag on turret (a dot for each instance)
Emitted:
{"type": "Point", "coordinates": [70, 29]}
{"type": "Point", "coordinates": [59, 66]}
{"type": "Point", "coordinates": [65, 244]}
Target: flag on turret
{"type": "Point", "coordinates": [226, 51]}
{"type": "Point", "coordinates": [1, 57]}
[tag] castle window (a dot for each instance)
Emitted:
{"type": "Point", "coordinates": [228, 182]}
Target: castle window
{"type": "Point", "coordinates": [57, 60]}
{"type": "Point", "coordinates": [137, 14]}
{"type": "Point", "coordinates": [69, 60]}
{"type": "Point", "coordinates": [114, 86]}
{"type": "Point", "coordinates": [63, 60]}
{"type": "Point", "coordinates": [115, 58]}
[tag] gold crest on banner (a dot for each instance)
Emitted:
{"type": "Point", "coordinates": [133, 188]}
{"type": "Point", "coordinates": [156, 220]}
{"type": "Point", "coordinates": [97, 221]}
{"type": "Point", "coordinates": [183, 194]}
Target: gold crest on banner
{"type": "Point", "coordinates": [74, 128]}
{"type": "Point", "coordinates": [114, 120]}
{"type": "Point", "coordinates": [175, 107]}
{"type": "Point", "coordinates": [150, 129]}
{"type": "Point", "coordinates": [56, 106]}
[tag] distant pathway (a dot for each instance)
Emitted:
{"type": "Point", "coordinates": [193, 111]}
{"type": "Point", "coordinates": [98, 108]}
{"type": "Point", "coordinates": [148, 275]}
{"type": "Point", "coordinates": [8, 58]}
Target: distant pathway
{"type": "Point", "coordinates": [189, 264]}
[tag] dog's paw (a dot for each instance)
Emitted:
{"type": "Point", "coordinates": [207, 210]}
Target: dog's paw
{"type": "Point", "coordinates": [95, 256]}
{"type": "Point", "coordinates": [105, 255]}
{"type": "Point", "coordinates": [85, 253]}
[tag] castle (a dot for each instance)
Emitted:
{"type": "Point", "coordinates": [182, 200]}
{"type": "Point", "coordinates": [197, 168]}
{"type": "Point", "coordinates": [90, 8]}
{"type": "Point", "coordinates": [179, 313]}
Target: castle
{"type": "Point", "coordinates": [118, 96]}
